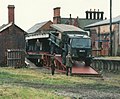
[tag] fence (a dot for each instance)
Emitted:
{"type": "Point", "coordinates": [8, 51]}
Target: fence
{"type": "Point", "coordinates": [15, 57]}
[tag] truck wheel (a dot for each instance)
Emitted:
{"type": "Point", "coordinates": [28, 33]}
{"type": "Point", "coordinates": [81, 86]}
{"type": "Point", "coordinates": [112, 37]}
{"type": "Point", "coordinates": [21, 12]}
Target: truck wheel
{"type": "Point", "coordinates": [87, 63]}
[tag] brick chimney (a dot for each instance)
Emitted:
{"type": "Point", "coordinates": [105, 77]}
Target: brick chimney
{"type": "Point", "coordinates": [11, 13]}
{"type": "Point", "coordinates": [57, 17]}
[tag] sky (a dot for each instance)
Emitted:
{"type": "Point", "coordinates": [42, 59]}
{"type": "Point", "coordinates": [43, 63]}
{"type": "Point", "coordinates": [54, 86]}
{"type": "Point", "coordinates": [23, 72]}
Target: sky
{"type": "Point", "coordinates": [30, 12]}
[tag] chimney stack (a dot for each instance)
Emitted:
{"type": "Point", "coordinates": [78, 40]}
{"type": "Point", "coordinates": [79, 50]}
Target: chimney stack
{"type": "Point", "coordinates": [11, 13]}
{"type": "Point", "coordinates": [70, 20]}
{"type": "Point", "coordinates": [98, 14]}
{"type": "Point", "coordinates": [86, 14]}
{"type": "Point", "coordinates": [90, 14]}
{"type": "Point", "coordinates": [57, 17]}
{"type": "Point", "coordinates": [102, 15]}
{"type": "Point", "coordinates": [94, 14]}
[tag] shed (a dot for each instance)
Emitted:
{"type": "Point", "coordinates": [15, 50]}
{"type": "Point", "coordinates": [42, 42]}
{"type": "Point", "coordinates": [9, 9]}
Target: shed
{"type": "Point", "coordinates": [11, 37]}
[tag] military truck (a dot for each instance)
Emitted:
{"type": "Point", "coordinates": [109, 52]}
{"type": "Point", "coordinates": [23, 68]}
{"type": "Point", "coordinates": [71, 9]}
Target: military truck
{"type": "Point", "coordinates": [68, 38]}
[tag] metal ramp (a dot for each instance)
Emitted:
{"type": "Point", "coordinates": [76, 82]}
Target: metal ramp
{"type": "Point", "coordinates": [54, 40]}
{"type": "Point", "coordinates": [83, 70]}
{"type": "Point", "coordinates": [78, 69]}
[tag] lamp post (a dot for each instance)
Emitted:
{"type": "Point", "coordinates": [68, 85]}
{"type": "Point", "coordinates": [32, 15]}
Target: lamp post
{"type": "Point", "coordinates": [110, 27]}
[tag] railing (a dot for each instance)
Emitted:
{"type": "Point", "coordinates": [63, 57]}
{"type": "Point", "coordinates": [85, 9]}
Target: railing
{"type": "Point", "coordinates": [106, 64]}
{"type": "Point", "coordinates": [54, 39]}
{"type": "Point", "coordinates": [59, 65]}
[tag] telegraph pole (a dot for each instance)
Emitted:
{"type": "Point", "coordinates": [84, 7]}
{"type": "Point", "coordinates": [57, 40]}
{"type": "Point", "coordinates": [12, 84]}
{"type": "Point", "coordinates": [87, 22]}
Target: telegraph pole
{"type": "Point", "coordinates": [110, 27]}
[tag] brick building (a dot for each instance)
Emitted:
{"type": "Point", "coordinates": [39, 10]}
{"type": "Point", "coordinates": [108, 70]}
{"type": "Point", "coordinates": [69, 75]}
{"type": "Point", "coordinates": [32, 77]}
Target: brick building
{"type": "Point", "coordinates": [41, 31]}
{"type": "Point", "coordinates": [100, 34]}
{"type": "Point", "coordinates": [11, 36]}
{"type": "Point", "coordinates": [91, 17]}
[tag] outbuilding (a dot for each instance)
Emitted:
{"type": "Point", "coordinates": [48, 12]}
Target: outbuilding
{"type": "Point", "coordinates": [12, 38]}
{"type": "Point", "coordinates": [100, 34]}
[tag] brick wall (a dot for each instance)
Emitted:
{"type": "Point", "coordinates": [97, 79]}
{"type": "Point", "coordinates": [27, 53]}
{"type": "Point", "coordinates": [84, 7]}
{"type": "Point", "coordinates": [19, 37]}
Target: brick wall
{"type": "Point", "coordinates": [56, 17]}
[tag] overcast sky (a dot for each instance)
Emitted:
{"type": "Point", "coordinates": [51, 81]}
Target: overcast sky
{"type": "Point", "coordinates": [30, 12]}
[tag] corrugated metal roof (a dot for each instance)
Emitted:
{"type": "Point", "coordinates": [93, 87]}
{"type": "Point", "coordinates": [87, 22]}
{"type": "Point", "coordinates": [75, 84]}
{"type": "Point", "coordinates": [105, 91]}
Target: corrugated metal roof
{"type": "Point", "coordinates": [114, 20]}
{"type": "Point", "coordinates": [36, 27]}
{"type": "Point", "coordinates": [65, 27]}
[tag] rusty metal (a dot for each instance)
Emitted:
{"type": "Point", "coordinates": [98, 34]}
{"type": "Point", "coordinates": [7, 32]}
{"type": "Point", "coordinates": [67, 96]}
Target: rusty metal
{"type": "Point", "coordinates": [60, 67]}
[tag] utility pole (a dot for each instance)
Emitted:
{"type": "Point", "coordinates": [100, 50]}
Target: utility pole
{"type": "Point", "coordinates": [110, 27]}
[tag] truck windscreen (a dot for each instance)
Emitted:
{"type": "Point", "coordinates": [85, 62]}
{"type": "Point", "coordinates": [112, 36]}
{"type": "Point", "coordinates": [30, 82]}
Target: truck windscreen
{"type": "Point", "coordinates": [81, 43]}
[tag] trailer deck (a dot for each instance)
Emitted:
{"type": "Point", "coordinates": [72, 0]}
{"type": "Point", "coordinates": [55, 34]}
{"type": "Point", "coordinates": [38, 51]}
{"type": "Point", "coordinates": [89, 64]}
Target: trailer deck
{"type": "Point", "coordinates": [78, 68]}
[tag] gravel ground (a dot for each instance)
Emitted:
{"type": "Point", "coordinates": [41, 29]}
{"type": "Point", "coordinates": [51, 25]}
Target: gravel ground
{"type": "Point", "coordinates": [82, 91]}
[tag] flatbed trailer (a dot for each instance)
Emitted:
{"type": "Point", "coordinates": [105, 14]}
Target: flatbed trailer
{"type": "Point", "coordinates": [77, 68]}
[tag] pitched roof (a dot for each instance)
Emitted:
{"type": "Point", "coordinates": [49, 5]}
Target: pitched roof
{"type": "Point", "coordinates": [65, 27]}
{"type": "Point", "coordinates": [82, 22]}
{"type": "Point", "coordinates": [36, 27]}
{"type": "Point", "coordinates": [5, 26]}
{"type": "Point", "coordinates": [104, 22]}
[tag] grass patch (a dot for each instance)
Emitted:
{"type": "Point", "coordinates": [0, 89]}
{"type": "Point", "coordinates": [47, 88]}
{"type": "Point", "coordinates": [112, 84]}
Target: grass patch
{"type": "Point", "coordinates": [28, 83]}
{"type": "Point", "coordinates": [28, 75]}
{"type": "Point", "coordinates": [15, 92]}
